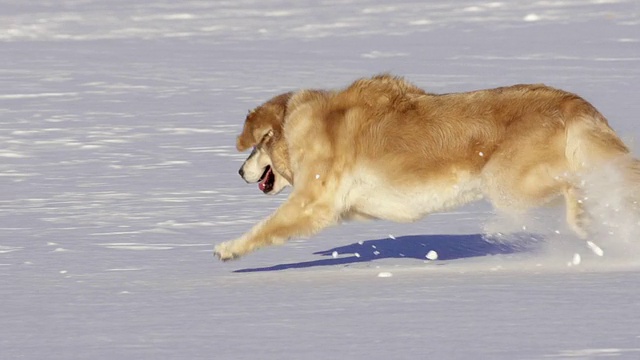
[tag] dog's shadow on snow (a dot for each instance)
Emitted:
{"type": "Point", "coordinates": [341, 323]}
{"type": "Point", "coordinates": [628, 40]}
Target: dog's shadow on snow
{"type": "Point", "coordinates": [447, 247]}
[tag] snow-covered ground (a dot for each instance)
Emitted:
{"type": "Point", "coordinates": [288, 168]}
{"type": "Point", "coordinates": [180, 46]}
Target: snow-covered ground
{"type": "Point", "coordinates": [118, 174]}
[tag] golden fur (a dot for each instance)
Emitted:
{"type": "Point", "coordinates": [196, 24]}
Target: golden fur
{"type": "Point", "coordinates": [383, 148]}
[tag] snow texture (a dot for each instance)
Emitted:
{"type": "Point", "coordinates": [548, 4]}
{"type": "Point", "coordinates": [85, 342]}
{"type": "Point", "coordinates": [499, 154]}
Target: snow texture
{"type": "Point", "coordinates": [119, 174]}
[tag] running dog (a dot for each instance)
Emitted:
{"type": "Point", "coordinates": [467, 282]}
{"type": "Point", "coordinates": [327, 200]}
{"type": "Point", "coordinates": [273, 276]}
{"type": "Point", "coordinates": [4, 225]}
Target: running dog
{"type": "Point", "coordinates": [383, 148]}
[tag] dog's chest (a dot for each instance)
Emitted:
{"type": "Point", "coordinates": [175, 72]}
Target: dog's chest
{"type": "Point", "coordinates": [381, 200]}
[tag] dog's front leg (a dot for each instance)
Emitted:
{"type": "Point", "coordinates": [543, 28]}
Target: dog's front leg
{"type": "Point", "coordinates": [300, 215]}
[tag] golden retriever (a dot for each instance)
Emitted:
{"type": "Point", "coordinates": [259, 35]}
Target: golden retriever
{"type": "Point", "coordinates": [383, 148]}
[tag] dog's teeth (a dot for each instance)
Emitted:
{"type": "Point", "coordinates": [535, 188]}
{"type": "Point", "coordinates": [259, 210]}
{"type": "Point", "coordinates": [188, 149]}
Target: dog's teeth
{"type": "Point", "coordinates": [432, 255]}
{"type": "Point", "coordinates": [334, 254]}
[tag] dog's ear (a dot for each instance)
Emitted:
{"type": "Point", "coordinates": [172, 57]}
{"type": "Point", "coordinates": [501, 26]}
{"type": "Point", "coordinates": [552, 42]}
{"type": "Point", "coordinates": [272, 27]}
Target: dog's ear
{"type": "Point", "coordinates": [265, 120]}
{"type": "Point", "coordinates": [252, 134]}
{"type": "Point", "coordinates": [246, 140]}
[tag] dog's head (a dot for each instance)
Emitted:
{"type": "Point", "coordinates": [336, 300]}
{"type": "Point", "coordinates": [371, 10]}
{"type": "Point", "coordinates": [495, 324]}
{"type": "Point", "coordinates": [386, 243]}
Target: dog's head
{"type": "Point", "coordinates": [268, 163]}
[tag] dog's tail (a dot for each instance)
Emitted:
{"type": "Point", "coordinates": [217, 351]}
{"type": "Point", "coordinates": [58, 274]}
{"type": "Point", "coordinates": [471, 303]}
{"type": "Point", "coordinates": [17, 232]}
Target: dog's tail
{"type": "Point", "coordinates": [608, 175]}
{"type": "Point", "coordinates": [593, 145]}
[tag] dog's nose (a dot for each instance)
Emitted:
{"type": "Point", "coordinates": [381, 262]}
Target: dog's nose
{"type": "Point", "coordinates": [241, 172]}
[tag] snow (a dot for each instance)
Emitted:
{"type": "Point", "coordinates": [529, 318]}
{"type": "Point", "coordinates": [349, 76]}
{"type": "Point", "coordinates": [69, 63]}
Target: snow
{"type": "Point", "coordinates": [117, 138]}
{"type": "Point", "coordinates": [532, 17]}
{"type": "Point", "coordinates": [432, 255]}
{"type": "Point", "coordinates": [595, 248]}
{"type": "Point", "coordinates": [576, 259]}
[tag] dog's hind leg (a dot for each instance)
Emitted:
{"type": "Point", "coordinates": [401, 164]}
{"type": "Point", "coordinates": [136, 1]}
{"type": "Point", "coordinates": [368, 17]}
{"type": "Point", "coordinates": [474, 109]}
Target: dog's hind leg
{"type": "Point", "coordinates": [576, 215]}
{"type": "Point", "coordinates": [301, 215]}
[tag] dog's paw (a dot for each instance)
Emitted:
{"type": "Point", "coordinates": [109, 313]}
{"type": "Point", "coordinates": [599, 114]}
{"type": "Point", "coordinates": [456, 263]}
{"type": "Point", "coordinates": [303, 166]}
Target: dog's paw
{"type": "Point", "coordinates": [224, 252]}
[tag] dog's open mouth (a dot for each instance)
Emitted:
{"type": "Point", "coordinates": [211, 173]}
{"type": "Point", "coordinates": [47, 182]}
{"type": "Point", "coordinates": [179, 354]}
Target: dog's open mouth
{"type": "Point", "coordinates": [267, 180]}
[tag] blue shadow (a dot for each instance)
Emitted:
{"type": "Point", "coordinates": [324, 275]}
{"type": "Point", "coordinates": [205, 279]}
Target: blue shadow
{"type": "Point", "coordinates": [448, 247]}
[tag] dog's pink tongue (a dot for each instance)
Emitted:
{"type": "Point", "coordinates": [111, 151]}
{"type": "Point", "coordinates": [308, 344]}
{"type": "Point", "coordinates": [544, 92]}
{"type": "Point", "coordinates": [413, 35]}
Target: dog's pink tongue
{"type": "Point", "coordinates": [263, 184]}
